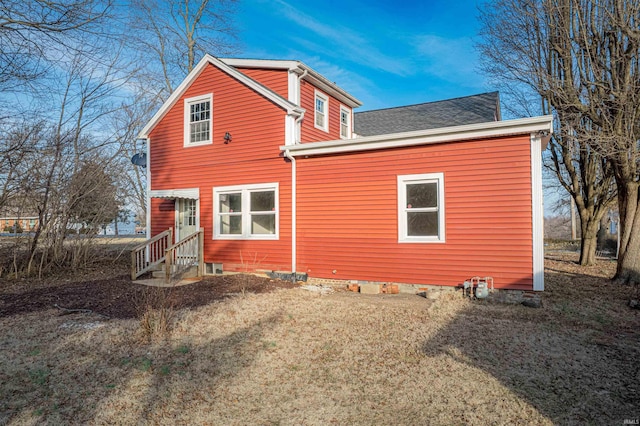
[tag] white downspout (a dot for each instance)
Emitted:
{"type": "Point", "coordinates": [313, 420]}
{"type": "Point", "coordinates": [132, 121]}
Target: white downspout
{"type": "Point", "coordinates": [293, 212]}
{"type": "Point", "coordinates": [148, 187]}
{"type": "Point", "coordinates": [287, 153]}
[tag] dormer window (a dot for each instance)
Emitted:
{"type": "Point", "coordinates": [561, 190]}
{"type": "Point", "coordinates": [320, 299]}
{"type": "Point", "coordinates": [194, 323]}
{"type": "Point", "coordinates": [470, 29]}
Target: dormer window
{"type": "Point", "coordinates": [345, 122]}
{"type": "Point", "coordinates": [321, 108]}
{"type": "Point", "coordinates": [197, 120]}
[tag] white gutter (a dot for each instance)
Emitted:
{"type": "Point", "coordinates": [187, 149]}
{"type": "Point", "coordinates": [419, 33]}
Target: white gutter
{"type": "Point", "coordinates": [543, 124]}
{"type": "Point", "coordinates": [293, 212]}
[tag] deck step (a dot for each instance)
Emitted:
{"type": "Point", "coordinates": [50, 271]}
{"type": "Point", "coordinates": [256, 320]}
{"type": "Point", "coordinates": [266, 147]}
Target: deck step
{"type": "Point", "coordinates": [190, 272]}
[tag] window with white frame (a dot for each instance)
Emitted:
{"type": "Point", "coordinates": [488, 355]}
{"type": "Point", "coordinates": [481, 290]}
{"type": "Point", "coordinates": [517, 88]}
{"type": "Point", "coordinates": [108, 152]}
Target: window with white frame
{"type": "Point", "coordinates": [345, 123]}
{"type": "Point", "coordinates": [421, 208]}
{"type": "Point", "coordinates": [197, 120]}
{"type": "Point", "coordinates": [246, 212]}
{"type": "Point", "coordinates": [321, 108]}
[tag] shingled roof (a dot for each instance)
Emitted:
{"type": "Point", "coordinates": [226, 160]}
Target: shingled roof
{"type": "Point", "coordinates": [473, 109]}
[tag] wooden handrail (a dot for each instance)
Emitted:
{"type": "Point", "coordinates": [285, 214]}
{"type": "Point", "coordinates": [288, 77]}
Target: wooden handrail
{"type": "Point", "coordinates": [153, 239]}
{"type": "Point", "coordinates": [145, 256]}
{"type": "Point", "coordinates": [184, 254]}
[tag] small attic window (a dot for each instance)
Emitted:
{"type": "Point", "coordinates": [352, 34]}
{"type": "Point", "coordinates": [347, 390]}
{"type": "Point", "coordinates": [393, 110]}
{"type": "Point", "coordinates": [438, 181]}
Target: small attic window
{"type": "Point", "coordinates": [198, 120]}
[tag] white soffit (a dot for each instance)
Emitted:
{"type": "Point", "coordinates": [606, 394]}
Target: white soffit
{"type": "Point", "coordinates": [543, 125]}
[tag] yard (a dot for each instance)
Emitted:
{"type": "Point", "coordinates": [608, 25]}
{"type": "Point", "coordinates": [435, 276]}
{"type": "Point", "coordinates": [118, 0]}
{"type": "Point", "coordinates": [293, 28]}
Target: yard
{"type": "Point", "coordinates": [256, 351]}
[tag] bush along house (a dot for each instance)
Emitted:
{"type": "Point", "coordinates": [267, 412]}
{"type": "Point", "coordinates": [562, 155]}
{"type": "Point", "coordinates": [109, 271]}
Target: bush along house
{"type": "Point", "coordinates": [263, 166]}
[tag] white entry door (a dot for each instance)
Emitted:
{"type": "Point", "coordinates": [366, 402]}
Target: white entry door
{"type": "Point", "coordinates": [186, 217]}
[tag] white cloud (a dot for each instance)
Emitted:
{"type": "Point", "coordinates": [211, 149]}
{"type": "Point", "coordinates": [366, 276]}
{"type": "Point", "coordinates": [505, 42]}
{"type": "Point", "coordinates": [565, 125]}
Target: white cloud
{"type": "Point", "coordinates": [450, 59]}
{"type": "Point", "coordinates": [345, 43]}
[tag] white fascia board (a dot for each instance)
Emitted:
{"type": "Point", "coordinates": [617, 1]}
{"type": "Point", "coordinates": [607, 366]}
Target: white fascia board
{"type": "Point", "coordinates": [191, 193]}
{"type": "Point", "coordinates": [319, 81]}
{"type": "Point", "coordinates": [261, 63]}
{"type": "Point", "coordinates": [247, 81]}
{"type": "Point", "coordinates": [298, 67]}
{"type": "Point", "coordinates": [490, 129]}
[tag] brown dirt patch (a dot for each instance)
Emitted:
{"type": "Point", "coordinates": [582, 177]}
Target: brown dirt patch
{"type": "Point", "coordinates": [297, 357]}
{"type": "Point", "coordinates": [115, 296]}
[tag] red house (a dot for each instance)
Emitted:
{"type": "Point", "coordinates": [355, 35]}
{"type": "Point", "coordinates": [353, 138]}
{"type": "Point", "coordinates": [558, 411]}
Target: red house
{"type": "Point", "coordinates": [264, 156]}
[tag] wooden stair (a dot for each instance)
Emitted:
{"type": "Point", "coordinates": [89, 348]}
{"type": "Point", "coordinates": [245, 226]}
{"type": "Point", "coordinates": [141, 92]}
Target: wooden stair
{"type": "Point", "coordinates": [157, 255]}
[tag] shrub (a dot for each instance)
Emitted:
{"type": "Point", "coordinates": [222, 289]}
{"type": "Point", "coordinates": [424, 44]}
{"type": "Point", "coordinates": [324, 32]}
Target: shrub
{"type": "Point", "coordinates": [13, 229]}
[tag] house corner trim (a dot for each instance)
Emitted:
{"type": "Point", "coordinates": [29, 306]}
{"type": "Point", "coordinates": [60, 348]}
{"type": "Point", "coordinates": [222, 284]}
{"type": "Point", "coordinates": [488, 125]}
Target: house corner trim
{"type": "Point", "coordinates": [537, 210]}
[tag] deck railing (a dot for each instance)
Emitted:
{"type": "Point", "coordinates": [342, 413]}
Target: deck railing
{"type": "Point", "coordinates": [147, 255]}
{"type": "Point", "coordinates": [185, 254]}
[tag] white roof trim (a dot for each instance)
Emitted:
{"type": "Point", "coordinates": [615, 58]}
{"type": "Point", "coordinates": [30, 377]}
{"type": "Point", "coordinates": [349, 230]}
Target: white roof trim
{"type": "Point", "coordinates": [191, 193]}
{"type": "Point", "coordinates": [298, 67]}
{"type": "Point", "coordinates": [247, 81]}
{"type": "Point", "coordinates": [490, 129]}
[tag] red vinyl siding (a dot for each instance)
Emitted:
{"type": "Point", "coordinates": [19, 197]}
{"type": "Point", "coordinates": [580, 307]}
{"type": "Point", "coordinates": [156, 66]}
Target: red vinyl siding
{"type": "Point", "coordinates": [348, 215]}
{"type": "Point", "coordinates": [253, 156]}
{"type": "Point", "coordinates": [276, 80]}
{"type": "Point", "coordinates": [163, 216]}
{"type": "Point", "coordinates": [309, 133]}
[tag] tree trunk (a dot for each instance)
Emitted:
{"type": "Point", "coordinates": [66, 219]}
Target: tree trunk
{"type": "Point", "coordinates": [628, 271]}
{"type": "Point", "coordinates": [589, 242]}
{"type": "Point", "coordinates": [603, 232]}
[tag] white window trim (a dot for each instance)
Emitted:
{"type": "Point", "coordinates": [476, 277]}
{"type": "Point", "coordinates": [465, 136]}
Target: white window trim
{"type": "Point", "coordinates": [402, 202]}
{"type": "Point", "coordinates": [246, 215]}
{"type": "Point", "coordinates": [325, 98]}
{"type": "Point", "coordinates": [187, 102]}
{"type": "Point", "coordinates": [348, 111]}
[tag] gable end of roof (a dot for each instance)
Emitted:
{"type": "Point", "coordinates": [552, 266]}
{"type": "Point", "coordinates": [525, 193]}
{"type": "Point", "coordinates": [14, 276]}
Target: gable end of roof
{"type": "Point", "coordinates": [234, 73]}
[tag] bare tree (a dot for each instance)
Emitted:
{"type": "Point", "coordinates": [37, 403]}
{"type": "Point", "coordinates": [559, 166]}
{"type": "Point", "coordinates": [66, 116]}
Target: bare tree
{"type": "Point", "coordinates": [132, 179]}
{"type": "Point", "coordinates": [587, 177]}
{"type": "Point", "coordinates": [582, 58]}
{"type": "Point", "coordinates": [17, 142]}
{"type": "Point", "coordinates": [174, 34]}
{"type": "Point", "coordinates": [31, 30]}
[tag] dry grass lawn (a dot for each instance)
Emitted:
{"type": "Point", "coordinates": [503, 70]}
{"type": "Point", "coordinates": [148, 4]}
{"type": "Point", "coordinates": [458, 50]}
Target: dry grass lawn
{"type": "Point", "coordinates": [296, 357]}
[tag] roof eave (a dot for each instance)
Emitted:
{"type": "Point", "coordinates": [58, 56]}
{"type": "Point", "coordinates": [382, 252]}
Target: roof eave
{"type": "Point", "coordinates": [536, 125]}
{"type": "Point", "coordinates": [298, 67]}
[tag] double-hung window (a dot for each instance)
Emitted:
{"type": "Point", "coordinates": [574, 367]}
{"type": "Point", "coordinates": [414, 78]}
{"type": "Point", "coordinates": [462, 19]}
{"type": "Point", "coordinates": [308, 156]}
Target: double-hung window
{"type": "Point", "coordinates": [198, 120]}
{"type": "Point", "coordinates": [345, 123]}
{"type": "Point", "coordinates": [421, 208]}
{"type": "Point", "coordinates": [246, 212]}
{"type": "Point", "coordinates": [321, 110]}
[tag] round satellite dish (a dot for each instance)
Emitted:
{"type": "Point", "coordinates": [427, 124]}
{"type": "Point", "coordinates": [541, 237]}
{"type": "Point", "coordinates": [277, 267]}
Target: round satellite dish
{"type": "Point", "coordinates": [139, 159]}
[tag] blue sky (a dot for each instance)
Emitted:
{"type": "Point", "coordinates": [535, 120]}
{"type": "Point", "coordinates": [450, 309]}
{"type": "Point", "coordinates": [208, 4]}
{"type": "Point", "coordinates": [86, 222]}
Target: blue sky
{"type": "Point", "coordinates": [384, 54]}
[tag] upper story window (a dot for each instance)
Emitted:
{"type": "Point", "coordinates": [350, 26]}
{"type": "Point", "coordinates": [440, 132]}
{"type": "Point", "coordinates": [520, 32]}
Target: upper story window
{"type": "Point", "coordinates": [421, 208]}
{"type": "Point", "coordinates": [321, 108]}
{"type": "Point", "coordinates": [246, 212]}
{"type": "Point", "coordinates": [197, 120]}
{"type": "Point", "coordinates": [345, 123]}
